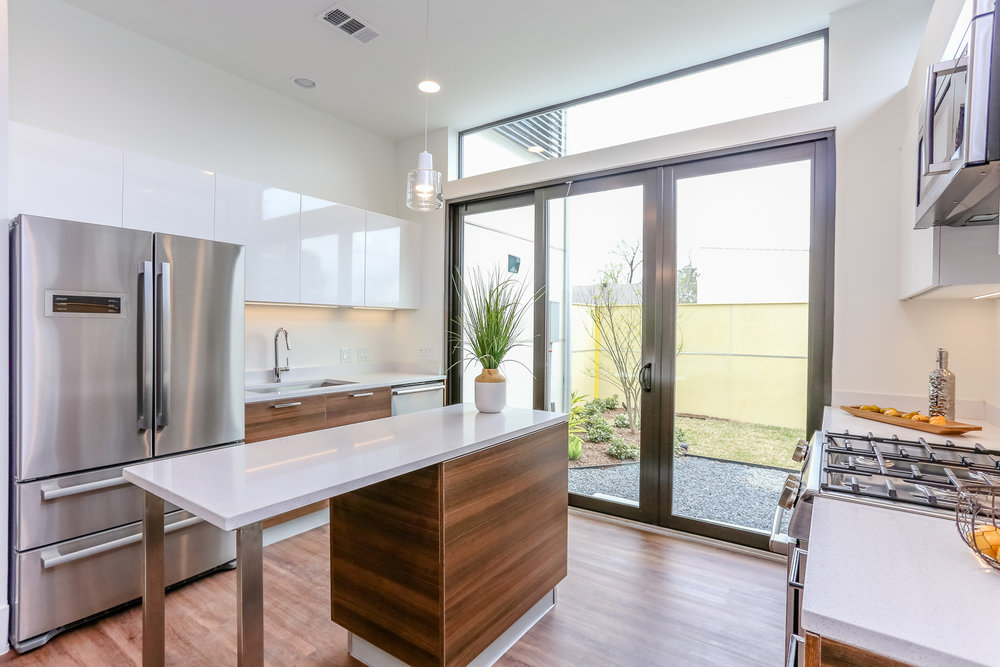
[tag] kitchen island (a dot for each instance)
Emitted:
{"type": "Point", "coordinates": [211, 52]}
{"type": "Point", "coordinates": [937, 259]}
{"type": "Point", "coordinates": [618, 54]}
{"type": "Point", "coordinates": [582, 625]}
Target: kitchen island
{"type": "Point", "coordinates": [448, 527]}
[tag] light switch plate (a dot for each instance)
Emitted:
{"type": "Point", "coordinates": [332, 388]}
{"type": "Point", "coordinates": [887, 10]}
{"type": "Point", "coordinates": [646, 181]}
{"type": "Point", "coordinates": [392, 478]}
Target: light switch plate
{"type": "Point", "coordinates": [362, 354]}
{"type": "Point", "coordinates": [346, 355]}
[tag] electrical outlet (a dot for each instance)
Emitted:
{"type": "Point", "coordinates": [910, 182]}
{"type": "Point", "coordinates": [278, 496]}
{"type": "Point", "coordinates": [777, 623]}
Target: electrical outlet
{"type": "Point", "coordinates": [362, 354]}
{"type": "Point", "coordinates": [424, 353]}
{"type": "Point", "coordinates": [346, 355]}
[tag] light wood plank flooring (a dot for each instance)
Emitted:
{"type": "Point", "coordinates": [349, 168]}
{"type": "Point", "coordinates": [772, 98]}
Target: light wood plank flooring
{"type": "Point", "coordinates": [632, 597]}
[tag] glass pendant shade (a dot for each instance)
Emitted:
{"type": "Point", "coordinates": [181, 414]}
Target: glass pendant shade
{"type": "Point", "coordinates": [423, 185]}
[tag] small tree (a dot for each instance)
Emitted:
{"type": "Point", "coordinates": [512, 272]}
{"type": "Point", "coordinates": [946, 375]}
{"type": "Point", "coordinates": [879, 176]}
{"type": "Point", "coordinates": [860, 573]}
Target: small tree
{"type": "Point", "coordinates": [616, 327]}
{"type": "Point", "coordinates": [687, 284]}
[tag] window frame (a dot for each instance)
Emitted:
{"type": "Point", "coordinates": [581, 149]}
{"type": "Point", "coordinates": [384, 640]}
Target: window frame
{"type": "Point", "coordinates": [823, 34]}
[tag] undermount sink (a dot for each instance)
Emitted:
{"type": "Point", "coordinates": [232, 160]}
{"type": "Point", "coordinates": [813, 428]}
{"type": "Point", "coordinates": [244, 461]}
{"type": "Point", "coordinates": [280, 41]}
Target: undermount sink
{"type": "Point", "coordinates": [297, 386]}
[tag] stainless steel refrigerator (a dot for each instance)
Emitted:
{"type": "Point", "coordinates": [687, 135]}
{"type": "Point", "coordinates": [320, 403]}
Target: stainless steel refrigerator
{"type": "Point", "coordinates": [125, 345]}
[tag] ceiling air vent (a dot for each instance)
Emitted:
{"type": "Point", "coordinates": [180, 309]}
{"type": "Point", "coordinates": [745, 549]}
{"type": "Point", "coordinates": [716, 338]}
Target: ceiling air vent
{"type": "Point", "coordinates": [350, 23]}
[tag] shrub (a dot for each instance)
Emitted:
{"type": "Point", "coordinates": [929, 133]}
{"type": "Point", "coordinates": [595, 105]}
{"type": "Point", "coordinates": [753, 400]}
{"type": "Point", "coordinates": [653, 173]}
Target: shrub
{"type": "Point", "coordinates": [597, 429]}
{"type": "Point", "coordinates": [576, 414]}
{"type": "Point", "coordinates": [621, 421]}
{"type": "Point", "coordinates": [594, 407]}
{"type": "Point", "coordinates": [611, 402]}
{"type": "Point", "coordinates": [575, 448]}
{"type": "Point", "coordinates": [622, 450]}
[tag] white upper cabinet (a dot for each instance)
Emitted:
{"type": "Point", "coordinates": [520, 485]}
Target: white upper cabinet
{"type": "Point", "coordinates": [266, 221]}
{"type": "Point", "coordinates": [162, 196]}
{"type": "Point", "coordinates": [332, 253]}
{"type": "Point", "coordinates": [58, 176]}
{"type": "Point", "coordinates": [392, 262]}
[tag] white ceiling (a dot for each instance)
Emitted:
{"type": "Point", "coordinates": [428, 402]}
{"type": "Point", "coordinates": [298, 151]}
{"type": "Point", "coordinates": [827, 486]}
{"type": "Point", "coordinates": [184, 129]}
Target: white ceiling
{"type": "Point", "coordinates": [493, 60]}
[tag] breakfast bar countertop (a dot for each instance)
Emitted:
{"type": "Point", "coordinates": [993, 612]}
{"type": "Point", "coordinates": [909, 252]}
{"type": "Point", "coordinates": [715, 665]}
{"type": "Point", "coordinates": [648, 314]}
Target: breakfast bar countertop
{"type": "Point", "coordinates": [235, 486]}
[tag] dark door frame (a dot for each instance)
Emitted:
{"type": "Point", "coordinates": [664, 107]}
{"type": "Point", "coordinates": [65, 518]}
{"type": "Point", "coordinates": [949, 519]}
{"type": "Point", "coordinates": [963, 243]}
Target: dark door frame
{"type": "Point", "coordinates": [659, 276]}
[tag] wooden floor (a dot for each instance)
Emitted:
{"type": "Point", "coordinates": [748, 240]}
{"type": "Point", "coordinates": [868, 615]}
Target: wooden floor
{"type": "Point", "coordinates": [632, 597]}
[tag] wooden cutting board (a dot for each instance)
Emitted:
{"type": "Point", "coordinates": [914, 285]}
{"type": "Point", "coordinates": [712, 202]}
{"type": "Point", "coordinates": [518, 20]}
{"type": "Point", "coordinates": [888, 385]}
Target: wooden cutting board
{"type": "Point", "coordinates": [948, 428]}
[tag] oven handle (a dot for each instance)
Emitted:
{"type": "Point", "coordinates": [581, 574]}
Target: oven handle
{"type": "Point", "coordinates": [778, 542]}
{"type": "Point", "coordinates": [793, 650]}
{"type": "Point", "coordinates": [793, 571]}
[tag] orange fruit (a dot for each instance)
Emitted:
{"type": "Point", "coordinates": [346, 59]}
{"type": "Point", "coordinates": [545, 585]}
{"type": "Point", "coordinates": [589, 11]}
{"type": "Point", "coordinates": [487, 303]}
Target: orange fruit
{"type": "Point", "coordinates": [938, 420]}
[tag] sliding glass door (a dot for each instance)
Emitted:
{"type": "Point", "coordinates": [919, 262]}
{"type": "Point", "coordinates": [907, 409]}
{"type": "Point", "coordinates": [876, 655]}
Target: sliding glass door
{"type": "Point", "coordinates": [746, 258]}
{"type": "Point", "coordinates": [685, 325]}
{"type": "Point", "coordinates": [600, 233]}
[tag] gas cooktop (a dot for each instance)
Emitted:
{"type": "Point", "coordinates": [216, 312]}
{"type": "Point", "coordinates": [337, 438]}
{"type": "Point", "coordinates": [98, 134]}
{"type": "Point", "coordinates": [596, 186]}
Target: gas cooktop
{"type": "Point", "coordinates": [893, 470]}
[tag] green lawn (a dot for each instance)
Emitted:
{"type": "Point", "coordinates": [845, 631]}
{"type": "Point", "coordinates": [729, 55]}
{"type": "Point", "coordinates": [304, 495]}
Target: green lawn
{"type": "Point", "coordinates": [739, 441]}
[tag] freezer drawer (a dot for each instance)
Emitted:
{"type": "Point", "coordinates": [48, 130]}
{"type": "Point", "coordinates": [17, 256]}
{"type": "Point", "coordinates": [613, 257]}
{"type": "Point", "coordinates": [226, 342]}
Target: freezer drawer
{"type": "Point", "coordinates": [61, 508]}
{"type": "Point", "coordinates": [60, 584]}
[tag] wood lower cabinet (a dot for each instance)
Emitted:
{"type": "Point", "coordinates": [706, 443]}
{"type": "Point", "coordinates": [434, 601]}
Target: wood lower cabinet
{"type": "Point", "coordinates": [275, 419]}
{"type": "Point", "coordinates": [435, 565]}
{"type": "Point", "coordinates": [823, 652]}
{"type": "Point", "coordinates": [360, 406]}
{"type": "Point", "coordinates": [288, 416]}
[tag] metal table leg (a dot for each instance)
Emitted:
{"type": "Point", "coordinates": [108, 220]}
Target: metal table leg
{"type": "Point", "coordinates": [250, 595]}
{"type": "Point", "coordinates": [153, 589]}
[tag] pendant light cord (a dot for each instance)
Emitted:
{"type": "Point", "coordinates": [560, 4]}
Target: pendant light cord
{"type": "Point", "coordinates": [427, 61]}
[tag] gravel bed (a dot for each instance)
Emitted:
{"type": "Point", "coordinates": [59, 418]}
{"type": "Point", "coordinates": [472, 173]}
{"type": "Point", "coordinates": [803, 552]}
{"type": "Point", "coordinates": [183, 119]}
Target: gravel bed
{"type": "Point", "coordinates": [710, 489]}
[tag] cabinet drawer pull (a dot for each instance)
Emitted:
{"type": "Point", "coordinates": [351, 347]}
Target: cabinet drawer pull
{"type": "Point", "coordinates": [367, 393]}
{"type": "Point", "coordinates": [278, 406]}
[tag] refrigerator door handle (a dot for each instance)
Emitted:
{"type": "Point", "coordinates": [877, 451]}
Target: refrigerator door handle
{"type": "Point", "coordinates": [163, 344]}
{"type": "Point", "coordinates": [145, 327]}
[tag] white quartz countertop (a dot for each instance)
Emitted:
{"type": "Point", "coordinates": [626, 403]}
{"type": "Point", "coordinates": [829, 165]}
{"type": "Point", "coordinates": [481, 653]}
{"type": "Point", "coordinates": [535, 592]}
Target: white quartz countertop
{"type": "Point", "coordinates": [356, 382]}
{"type": "Point", "coordinates": [900, 584]}
{"type": "Point", "coordinates": [232, 487]}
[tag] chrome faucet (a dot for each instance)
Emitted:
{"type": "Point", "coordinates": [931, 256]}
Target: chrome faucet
{"type": "Point", "coordinates": [278, 368]}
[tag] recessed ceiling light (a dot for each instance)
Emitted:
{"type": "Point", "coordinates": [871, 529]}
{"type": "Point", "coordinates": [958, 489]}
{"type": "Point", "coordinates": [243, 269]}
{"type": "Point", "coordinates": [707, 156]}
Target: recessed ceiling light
{"type": "Point", "coordinates": [429, 86]}
{"type": "Point", "coordinates": [303, 82]}
{"type": "Point", "coordinates": [535, 149]}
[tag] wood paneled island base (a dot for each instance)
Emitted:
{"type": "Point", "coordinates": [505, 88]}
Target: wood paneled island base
{"type": "Point", "coordinates": [433, 566]}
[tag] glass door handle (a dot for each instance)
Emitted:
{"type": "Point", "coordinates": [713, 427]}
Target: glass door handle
{"type": "Point", "coordinates": [646, 377]}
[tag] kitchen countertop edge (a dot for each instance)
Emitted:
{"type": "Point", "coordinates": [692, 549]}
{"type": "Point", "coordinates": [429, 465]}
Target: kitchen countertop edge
{"type": "Point", "coordinates": [360, 382]}
{"type": "Point", "coordinates": [209, 500]}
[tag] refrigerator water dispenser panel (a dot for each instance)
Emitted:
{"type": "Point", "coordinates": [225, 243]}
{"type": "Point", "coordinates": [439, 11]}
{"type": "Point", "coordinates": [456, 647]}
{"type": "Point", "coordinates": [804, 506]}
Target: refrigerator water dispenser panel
{"type": "Point", "coordinates": [70, 303]}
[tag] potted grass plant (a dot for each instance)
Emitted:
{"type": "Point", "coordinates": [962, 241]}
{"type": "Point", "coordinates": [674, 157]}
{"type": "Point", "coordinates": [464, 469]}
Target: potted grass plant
{"type": "Point", "coordinates": [493, 309]}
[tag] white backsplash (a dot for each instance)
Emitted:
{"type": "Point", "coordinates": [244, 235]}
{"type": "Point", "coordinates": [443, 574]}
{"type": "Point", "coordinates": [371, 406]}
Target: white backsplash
{"type": "Point", "coordinates": [317, 336]}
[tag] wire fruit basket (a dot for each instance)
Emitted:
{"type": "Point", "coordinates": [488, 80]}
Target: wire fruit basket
{"type": "Point", "coordinates": [977, 517]}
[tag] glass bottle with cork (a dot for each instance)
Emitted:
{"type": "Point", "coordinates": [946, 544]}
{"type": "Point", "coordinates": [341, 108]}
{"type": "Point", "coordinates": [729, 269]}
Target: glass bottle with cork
{"type": "Point", "coordinates": [942, 388]}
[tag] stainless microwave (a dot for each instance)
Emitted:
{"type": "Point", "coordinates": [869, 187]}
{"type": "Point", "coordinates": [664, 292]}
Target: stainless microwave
{"type": "Point", "coordinates": [958, 151]}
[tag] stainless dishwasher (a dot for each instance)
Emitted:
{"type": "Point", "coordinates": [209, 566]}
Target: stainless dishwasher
{"type": "Point", "coordinates": [416, 397]}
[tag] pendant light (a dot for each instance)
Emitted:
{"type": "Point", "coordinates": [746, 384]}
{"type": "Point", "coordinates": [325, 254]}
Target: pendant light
{"type": "Point", "coordinates": [423, 184]}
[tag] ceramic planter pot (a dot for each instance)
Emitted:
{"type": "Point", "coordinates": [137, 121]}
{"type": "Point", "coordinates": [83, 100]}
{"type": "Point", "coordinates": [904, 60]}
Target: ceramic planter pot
{"type": "Point", "coordinates": [491, 391]}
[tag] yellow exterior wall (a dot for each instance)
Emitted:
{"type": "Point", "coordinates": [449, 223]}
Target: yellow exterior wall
{"type": "Point", "coordinates": [736, 361]}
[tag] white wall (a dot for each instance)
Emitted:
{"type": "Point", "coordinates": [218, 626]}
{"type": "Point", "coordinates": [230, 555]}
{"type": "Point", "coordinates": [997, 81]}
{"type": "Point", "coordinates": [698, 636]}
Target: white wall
{"type": "Point", "coordinates": [425, 327]}
{"type": "Point", "coordinates": [4, 366]}
{"type": "Point", "coordinates": [881, 345]}
{"type": "Point", "coordinates": [75, 73]}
